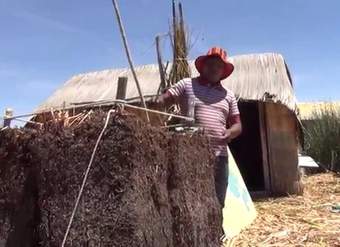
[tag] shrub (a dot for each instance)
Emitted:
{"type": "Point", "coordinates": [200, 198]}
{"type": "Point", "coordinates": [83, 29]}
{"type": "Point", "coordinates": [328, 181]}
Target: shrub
{"type": "Point", "coordinates": [322, 136]}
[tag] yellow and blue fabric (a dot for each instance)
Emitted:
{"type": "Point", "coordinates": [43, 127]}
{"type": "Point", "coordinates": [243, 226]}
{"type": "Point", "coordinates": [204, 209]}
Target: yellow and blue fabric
{"type": "Point", "coordinates": [239, 210]}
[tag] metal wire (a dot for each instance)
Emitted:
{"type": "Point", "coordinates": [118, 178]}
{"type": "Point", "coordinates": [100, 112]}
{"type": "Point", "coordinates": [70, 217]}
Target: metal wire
{"type": "Point", "coordinates": [109, 102]}
{"type": "Point", "coordinates": [85, 179]}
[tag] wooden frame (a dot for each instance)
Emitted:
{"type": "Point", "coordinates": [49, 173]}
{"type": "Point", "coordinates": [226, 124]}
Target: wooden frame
{"type": "Point", "coordinates": [282, 148]}
{"type": "Point", "coordinates": [264, 147]}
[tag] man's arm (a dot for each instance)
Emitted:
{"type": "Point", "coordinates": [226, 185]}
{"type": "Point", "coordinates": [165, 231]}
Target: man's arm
{"type": "Point", "coordinates": [235, 128]}
{"type": "Point", "coordinates": [172, 94]}
{"type": "Point", "coordinates": [165, 99]}
{"type": "Point", "coordinates": [234, 119]}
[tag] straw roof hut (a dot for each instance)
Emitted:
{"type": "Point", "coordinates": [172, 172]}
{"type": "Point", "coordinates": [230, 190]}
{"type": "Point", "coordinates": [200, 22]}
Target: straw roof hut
{"type": "Point", "coordinates": [266, 152]}
{"type": "Point", "coordinates": [256, 77]}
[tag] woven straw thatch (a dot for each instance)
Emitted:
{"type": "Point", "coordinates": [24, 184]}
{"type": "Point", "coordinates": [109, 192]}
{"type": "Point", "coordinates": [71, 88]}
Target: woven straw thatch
{"type": "Point", "coordinates": [312, 110]}
{"type": "Point", "coordinates": [256, 77]}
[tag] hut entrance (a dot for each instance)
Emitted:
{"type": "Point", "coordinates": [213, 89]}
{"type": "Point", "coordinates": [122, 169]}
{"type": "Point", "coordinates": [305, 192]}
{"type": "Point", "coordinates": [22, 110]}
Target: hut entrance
{"type": "Point", "coordinates": [247, 148]}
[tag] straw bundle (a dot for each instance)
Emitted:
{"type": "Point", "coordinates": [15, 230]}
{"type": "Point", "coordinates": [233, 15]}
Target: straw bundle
{"type": "Point", "coordinates": [180, 45]}
{"type": "Point", "coordinates": [297, 220]}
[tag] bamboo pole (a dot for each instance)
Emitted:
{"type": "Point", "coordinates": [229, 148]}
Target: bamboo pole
{"type": "Point", "coordinates": [127, 51]}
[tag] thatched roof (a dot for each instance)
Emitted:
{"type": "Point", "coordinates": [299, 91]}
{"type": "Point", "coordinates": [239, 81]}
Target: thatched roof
{"type": "Point", "coordinates": [256, 77]}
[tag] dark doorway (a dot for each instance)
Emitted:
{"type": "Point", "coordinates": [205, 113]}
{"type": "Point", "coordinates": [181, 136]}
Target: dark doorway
{"type": "Point", "coordinates": [247, 149]}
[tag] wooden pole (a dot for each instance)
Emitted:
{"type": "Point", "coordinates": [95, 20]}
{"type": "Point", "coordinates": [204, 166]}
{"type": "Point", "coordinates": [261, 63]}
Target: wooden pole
{"type": "Point", "coordinates": [183, 37]}
{"type": "Point", "coordinates": [160, 65]}
{"type": "Point", "coordinates": [174, 24]}
{"type": "Point", "coordinates": [181, 18]}
{"type": "Point", "coordinates": [121, 88]}
{"type": "Point", "coordinates": [122, 32]}
{"type": "Point", "coordinates": [168, 84]}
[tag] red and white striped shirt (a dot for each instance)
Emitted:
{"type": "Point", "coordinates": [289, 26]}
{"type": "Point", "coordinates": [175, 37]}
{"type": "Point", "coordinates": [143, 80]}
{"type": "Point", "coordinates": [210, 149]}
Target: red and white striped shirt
{"type": "Point", "coordinates": [214, 106]}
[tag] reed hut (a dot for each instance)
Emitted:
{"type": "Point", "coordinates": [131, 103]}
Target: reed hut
{"type": "Point", "coordinates": [267, 150]}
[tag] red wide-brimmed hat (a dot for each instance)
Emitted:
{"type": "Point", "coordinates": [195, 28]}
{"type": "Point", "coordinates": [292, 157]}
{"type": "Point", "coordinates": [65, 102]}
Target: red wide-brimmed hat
{"type": "Point", "coordinates": [215, 52]}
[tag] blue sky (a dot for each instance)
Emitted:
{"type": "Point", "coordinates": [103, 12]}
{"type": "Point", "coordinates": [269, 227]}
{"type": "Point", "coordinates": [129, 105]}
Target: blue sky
{"type": "Point", "coordinates": [44, 42]}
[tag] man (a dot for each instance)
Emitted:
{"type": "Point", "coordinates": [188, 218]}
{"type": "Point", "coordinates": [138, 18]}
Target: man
{"type": "Point", "coordinates": [215, 108]}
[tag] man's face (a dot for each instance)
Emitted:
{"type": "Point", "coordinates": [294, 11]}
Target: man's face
{"type": "Point", "coordinates": [213, 69]}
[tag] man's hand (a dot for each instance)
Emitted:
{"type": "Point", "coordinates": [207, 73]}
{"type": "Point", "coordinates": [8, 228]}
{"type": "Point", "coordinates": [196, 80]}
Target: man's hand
{"type": "Point", "coordinates": [234, 131]}
{"type": "Point", "coordinates": [227, 135]}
